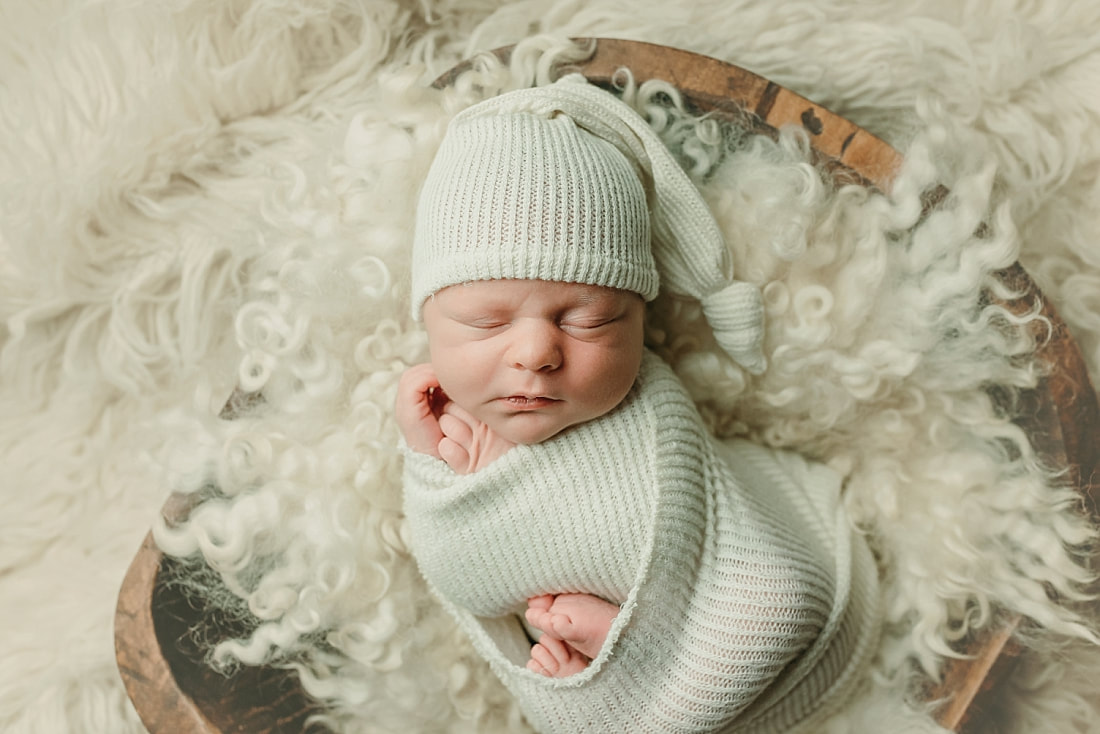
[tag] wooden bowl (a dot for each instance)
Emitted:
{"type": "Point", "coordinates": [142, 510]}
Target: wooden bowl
{"type": "Point", "coordinates": [174, 694]}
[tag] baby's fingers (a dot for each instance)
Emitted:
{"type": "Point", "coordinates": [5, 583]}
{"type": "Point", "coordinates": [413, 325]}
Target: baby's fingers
{"type": "Point", "coordinates": [413, 410]}
{"type": "Point", "coordinates": [460, 413]}
{"type": "Point", "coordinates": [418, 379]}
{"type": "Point", "coordinates": [456, 456]}
{"type": "Point", "coordinates": [456, 429]}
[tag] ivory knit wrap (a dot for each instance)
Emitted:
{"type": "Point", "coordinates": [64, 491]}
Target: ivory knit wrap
{"type": "Point", "coordinates": [748, 604]}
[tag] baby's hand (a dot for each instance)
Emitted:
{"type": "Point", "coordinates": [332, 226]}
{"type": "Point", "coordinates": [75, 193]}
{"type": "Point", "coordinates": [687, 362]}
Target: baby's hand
{"type": "Point", "coordinates": [419, 401]}
{"type": "Point", "coordinates": [433, 424]}
{"type": "Point", "coordinates": [468, 444]}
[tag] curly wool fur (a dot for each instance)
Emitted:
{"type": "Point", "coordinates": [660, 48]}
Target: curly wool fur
{"type": "Point", "coordinates": [235, 210]}
{"type": "Point", "coordinates": [838, 345]}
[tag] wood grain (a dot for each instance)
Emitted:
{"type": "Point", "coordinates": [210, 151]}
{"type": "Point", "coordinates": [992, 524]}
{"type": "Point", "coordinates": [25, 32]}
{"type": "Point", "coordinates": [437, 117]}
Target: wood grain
{"type": "Point", "coordinates": [149, 679]}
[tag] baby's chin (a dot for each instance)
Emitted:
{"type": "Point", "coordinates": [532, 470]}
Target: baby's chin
{"type": "Point", "coordinates": [529, 428]}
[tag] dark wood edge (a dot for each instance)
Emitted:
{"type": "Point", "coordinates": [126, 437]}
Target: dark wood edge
{"type": "Point", "coordinates": [175, 693]}
{"type": "Point", "coordinates": [711, 84]}
{"type": "Point", "coordinates": [149, 680]}
{"type": "Point", "coordinates": [146, 674]}
{"type": "Point", "coordinates": [964, 685]}
{"type": "Point", "coordinates": [1061, 417]}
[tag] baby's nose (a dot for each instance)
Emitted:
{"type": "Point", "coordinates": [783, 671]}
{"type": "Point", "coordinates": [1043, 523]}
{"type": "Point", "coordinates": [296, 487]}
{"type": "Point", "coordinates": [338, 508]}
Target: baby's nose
{"type": "Point", "coordinates": [536, 348]}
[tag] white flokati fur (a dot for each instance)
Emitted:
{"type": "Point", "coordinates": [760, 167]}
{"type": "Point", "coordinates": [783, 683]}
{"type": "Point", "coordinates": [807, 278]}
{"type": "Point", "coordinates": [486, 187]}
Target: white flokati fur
{"type": "Point", "coordinates": [198, 195]}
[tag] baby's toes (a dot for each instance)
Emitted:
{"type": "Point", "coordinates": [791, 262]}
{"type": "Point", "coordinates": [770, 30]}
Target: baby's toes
{"type": "Point", "coordinates": [542, 661]}
{"type": "Point", "coordinates": [565, 661]}
{"type": "Point", "coordinates": [542, 602]}
{"type": "Point", "coordinates": [539, 619]}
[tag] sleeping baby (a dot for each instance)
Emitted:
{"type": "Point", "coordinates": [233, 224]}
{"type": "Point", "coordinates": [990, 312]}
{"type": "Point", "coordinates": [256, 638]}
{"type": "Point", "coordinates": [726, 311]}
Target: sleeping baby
{"type": "Point", "coordinates": [618, 567]}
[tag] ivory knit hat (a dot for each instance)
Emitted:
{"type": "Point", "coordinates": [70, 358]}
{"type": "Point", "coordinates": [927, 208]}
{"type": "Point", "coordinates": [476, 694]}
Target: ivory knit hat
{"type": "Point", "coordinates": [568, 183]}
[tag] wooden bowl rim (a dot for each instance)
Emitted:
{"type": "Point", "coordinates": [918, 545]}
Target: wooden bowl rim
{"type": "Point", "coordinates": [708, 85]}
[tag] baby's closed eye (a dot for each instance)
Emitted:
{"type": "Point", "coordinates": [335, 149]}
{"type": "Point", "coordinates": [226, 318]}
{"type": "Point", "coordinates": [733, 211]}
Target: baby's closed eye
{"type": "Point", "coordinates": [485, 324]}
{"type": "Point", "coordinates": [588, 320]}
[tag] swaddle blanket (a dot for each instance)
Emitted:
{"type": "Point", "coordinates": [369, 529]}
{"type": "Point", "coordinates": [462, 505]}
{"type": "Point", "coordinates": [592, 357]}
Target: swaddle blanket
{"type": "Point", "coordinates": [747, 603]}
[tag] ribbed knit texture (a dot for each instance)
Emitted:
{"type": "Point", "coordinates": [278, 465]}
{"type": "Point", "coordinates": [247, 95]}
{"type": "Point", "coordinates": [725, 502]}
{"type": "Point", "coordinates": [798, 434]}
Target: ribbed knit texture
{"type": "Point", "coordinates": [748, 603]}
{"type": "Point", "coordinates": [564, 183]}
{"type": "Point", "coordinates": [521, 196]}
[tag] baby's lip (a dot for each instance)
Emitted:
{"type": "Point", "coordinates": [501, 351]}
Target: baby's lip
{"type": "Point", "coordinates": [527, 402]}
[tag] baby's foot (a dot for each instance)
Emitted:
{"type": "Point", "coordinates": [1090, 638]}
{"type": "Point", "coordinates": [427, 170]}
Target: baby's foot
{"type": "Point", "coordinates": [582, 621]}
{"type": "Point", "coordinates": [555, 659]}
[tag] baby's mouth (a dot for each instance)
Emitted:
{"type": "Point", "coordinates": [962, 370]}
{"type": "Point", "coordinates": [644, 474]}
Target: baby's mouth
{"type": "Point", "coordinates": [528, 402]}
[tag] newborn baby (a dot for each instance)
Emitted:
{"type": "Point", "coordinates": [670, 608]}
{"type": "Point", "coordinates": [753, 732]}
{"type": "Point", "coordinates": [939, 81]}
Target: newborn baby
{"type": "Point", "coordinates": [527, 359]}
{"type": "Point", "coordinates": [558, 470]}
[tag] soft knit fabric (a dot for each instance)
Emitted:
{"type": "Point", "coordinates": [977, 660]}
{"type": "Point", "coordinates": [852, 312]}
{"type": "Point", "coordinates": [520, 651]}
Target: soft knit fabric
{"type": "Point", "coordinates": [748, 604]}
{"type": "Point", "coordinates": [543, 183]}
{"type": "Point", "coordinates": [522, 196]}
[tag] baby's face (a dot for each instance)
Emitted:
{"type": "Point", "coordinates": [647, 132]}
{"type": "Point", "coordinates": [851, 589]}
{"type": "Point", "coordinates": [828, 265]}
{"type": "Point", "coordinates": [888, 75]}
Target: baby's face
{"type": "Point", "coordinates": [530, 358]}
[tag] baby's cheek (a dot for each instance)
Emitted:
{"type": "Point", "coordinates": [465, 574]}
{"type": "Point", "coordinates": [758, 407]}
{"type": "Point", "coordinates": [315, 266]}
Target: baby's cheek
{"type": "Point", "coordinates": [453, 382]}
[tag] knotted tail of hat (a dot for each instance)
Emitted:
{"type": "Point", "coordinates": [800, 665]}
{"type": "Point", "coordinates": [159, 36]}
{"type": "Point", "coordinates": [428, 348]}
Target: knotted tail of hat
{"type": "Point", "coordinates": [687, 245]}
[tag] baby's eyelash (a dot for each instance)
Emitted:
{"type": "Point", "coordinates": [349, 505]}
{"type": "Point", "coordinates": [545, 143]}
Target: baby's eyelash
{"type": "Point", "coordinates": [587, 323]}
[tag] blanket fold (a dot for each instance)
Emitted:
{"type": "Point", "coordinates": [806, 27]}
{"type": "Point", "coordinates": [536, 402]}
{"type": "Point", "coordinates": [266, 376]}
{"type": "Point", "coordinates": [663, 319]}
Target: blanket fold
{"type": "Point", "coordinates": [747, 602]}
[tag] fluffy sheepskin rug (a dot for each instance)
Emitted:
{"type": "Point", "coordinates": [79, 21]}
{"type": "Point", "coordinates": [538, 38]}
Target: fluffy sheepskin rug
{"type": "Point", "coordinates": [203, 195]}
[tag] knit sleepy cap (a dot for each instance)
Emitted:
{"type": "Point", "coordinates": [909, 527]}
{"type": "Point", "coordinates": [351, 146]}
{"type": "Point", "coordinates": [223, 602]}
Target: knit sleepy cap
{"type": "Point", "coordinates": [567, 183]}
